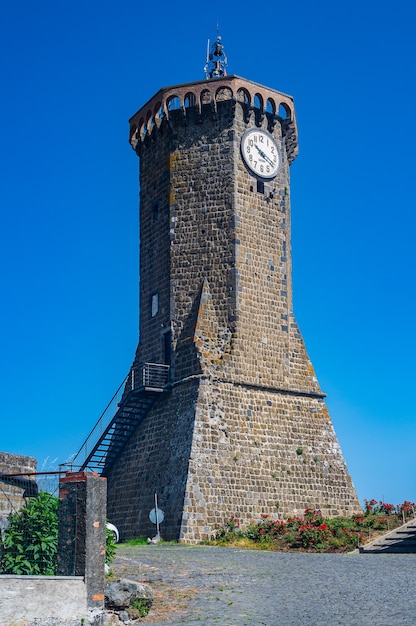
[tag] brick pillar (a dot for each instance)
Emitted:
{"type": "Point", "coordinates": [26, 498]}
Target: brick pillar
{"type": "Point", "coordinates": [82, 535]}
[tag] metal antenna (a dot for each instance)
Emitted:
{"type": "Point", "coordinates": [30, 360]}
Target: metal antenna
{"type": "Point", "coordinates": [216, 59]}
{"type": "Point", "coordinates": [206, 66]}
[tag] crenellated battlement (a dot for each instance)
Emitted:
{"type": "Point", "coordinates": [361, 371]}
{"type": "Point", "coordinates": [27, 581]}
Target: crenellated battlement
{"type": "Point", "coordinates": [276, 106]}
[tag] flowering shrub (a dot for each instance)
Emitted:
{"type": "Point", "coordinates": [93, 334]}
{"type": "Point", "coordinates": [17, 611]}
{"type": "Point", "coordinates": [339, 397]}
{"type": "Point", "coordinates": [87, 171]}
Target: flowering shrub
{"type": "Point", "coordinates": [266, 530]}
{"type": "Point", "coordinates": [364, 521]}
{"type": "Point", "coordinates": [313, 516]}
{"type": "Point", "coordinates": [351, 538]}
{"type": "Point", "coordinates": [229, 528]}
{"type": "Point", "coordinates": [294, 522]}
{"type": "Point", "coordinates": [347, 533]}
{"type": "Point", "coordinates": [315, 533]}
{"type": "Point", "coordinates": [388, 509]}
{"type": "Point", "coordinates": [314, 536]}
{"type": "Point", "coordinates": [407, 508]}
{"type": "Point", "coordinates": [369, 506]}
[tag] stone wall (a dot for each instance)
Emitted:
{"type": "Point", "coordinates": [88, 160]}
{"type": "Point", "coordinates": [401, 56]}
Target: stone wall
{"type": "Point", "coordinates": [212, 449]}
{"type": "Point", "coordinates": [258, 451]}
{"type": "Point", "coordinates": [43, 601]}
{"type": "Point", "coordinates": [11, 497]}
{"type": "Point", "coordinates": [155, 460]}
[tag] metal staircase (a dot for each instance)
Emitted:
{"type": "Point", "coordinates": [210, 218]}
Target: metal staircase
{"type": "Point", "coordinates": [104, 444]}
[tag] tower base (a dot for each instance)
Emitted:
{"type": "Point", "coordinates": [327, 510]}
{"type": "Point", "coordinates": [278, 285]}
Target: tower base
{"type": "Point", "coordinates": [213, 448]}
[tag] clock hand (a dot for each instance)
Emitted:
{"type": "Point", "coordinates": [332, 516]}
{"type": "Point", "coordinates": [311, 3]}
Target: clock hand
{"type": "Point", "coordinates": [264, 155]}
{"type": "Point", "coordinates": [260, 151]}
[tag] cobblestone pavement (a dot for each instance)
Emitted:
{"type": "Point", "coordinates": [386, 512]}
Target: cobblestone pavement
{"type": "Point", "coordinates": [236, 587]}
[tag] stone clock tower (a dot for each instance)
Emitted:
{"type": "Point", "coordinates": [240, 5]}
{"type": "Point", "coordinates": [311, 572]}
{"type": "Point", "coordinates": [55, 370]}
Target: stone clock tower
{"type": "Point", "coordinates": [222, 412]}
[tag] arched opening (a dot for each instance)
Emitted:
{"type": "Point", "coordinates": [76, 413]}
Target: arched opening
{"type": "Point", "coordinates": [243, 96]}
{"type": "Point", "coordinates": [133, 129]}
{"type": "Point", "coordinates": [149, 121]}
{"type": "Point", "coordinates": [270, 106]}
{"type": "Point", "coordinates": [173, 103]}
{"type": "Point", "coordinates": [190, 100]}
{"type": "Point", "coordinates": [206, 97]}
{"type": "Point", "coordinates": [141, 127]}
{"type": "Point", "coordinates": [284, 111]}
{"type": "Point", "coordinates": [223, 93]}
{"type": "Point", "coordinates": [258, 102]}
{"type": "Point", "coordinates": [159, 113]}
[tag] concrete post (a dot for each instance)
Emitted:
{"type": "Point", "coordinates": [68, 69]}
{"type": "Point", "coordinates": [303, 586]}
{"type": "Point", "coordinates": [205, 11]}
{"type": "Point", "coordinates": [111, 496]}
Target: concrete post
{"type": "Point", "coordinates": [82, 534]}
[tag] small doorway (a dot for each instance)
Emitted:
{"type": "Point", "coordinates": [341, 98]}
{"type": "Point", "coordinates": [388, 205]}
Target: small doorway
{"type": "Point", "coordinates": [167, 346]}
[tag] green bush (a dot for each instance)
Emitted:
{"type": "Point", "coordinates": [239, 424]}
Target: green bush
{"type": "Point", "coordinates": [139, 608]}
{"type": "Point", "coordinates": [30, 541]}
{"type": "Point", "coordinates": [229, 530]}
{"type": "Point", "coordinates": [314, 537]}
{"type": "Point", "coordinates": [110, 546]}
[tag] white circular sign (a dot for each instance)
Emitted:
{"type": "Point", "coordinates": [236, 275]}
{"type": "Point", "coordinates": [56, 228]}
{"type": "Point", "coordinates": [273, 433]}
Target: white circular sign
{"type": "Point", "coordinates": [156, 516]}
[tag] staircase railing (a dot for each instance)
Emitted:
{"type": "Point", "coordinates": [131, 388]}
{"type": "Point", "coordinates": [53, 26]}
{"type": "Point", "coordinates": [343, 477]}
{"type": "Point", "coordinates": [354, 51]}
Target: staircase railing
{"type": "Point", "coordinates": [152, 376]}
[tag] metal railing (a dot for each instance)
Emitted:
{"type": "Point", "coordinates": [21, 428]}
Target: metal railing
{"type": "Point", "coordinates": [147, 375]}
{"type": "Point", "coordinates": [153, 375]}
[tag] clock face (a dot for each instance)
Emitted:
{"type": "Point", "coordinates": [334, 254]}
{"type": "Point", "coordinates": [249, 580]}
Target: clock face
{"type": "Point", "coordinates": [260, 152]}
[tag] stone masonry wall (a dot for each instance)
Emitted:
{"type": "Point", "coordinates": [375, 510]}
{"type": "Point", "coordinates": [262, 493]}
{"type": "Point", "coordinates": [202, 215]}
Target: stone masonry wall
{"type": "Point", "coordinates": [154, 248]}
{"type": "Point", "coordinates": [202, 219]}
{"type": "Point", "coordinates": [256, 452]}
{"type": "Point", "coordinates": [186, 224]}
{"type": "Point", "coordinates": [212, 449]}
{"type": "Point", "coordinates": [268, 349]}
{"type": "Point", "coordinates": [155, 460]}
{"type": "Point", "coordinates": [202, 247]}
{"type": "Point", "coordinates": [11, 498]}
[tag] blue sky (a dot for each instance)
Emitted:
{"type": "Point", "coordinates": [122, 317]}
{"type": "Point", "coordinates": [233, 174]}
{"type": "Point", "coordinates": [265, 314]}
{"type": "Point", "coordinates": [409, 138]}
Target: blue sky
{"type": "Point", "coordinates": [72, 73]}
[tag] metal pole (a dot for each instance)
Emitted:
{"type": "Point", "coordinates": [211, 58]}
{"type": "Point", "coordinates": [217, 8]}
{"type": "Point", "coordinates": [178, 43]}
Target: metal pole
{"type": "Point", "coordinates": [157, 517]}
